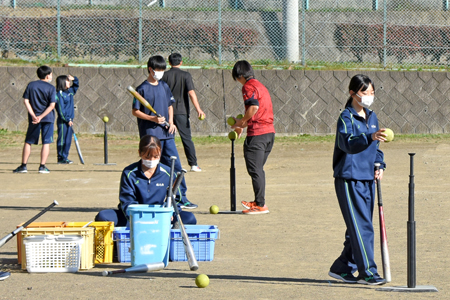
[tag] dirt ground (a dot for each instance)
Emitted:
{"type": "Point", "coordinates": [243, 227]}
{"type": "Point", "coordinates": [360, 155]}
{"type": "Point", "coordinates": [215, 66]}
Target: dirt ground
{"type": "Point", "coordinates": [282, 255]}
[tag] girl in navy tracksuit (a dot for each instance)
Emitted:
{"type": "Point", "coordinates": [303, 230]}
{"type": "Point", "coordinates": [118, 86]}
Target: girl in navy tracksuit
{"type": "Point", "coordinates": [356, 150]}
{"type": "Point", "coordinates": [65, 109]}
{"type": "Point", "coordinates": [144, 182]}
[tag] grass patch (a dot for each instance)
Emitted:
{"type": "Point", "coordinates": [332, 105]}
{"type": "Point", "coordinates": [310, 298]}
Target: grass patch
{"type": "Point", "coordinates": [16, 138]}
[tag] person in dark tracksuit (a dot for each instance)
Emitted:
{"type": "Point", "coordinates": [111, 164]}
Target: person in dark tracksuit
{"type": "Point", "coordinates": [182, 87]}
{"type": "Point", "coordinates": [159, 96]}
{"type": "Point", "coordinates": [144, 182]}
{"type": "Point", "coordinates": [356, 151]}
{"type": "Point", "coordinates": [258, 144]}
{"type": "Point", "coordinates": [66, 113]}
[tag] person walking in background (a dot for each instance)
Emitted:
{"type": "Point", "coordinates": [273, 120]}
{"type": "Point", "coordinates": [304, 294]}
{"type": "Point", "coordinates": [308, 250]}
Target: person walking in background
{"type": "Point", "coordinates": [258, 144]}
{"type": "Point", "coordinates": [39, 99]}
{"type": "Point", "coordinates": [356, 151]}
{"type": "Point", "coordinates": [65, 91]}
{"type": "Point", "coordinates": [182, 87]}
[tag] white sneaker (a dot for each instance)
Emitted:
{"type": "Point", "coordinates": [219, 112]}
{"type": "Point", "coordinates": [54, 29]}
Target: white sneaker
{"type": "Point", "coordinates": [195, 169]}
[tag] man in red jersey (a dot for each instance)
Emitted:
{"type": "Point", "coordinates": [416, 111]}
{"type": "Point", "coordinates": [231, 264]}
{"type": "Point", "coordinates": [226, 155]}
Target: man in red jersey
{"type": "Point", "coordinates": [258, 119]}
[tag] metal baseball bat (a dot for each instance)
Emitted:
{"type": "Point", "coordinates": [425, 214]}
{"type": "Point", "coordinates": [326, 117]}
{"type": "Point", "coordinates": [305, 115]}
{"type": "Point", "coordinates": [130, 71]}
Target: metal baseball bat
{"type": "Point", "coordinates": [178, 180]}
{"type": "Point", "coordinates": [145, 103]}
{"type": "Point", "coordinates": [78, 148]}
{"type": "Point", "coordinates": [170, 191]}
{"type": "Point", "coordinates": [383, 235]}
{"type": "Point", "coordinates": [12, 234]}
{"type": "Point", "coordinates": [138, 268]}
{"type": "Point", "coordinates": [192, 261]}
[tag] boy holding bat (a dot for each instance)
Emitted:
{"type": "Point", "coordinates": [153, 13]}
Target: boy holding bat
{"type": "Point", "coordinates": [158, 95]}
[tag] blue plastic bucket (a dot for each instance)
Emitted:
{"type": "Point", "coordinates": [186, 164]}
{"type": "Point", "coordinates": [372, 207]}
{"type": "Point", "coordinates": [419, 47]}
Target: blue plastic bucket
{"type": "Point", "coordinates": [149, 233]}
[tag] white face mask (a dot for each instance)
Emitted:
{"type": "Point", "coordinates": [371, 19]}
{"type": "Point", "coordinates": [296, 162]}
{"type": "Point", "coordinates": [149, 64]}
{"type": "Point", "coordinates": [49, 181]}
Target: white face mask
{"type": "Point", "coordinates": [158, 75]}
{"type": "Point", "coordinates": [366, 101]}
{"type": "Point", "coordinates": [150, 163]}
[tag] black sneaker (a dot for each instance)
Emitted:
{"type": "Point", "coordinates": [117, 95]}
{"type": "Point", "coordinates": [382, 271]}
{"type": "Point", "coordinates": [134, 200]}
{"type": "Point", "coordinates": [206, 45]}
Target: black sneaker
{"type": "Point", "coordinates": [189, 205]}
{"type": "Point", "coordinates": [21, 169]}
{"type": "Point", "coordinates": [65, 162]}
{"type": "Point", "coordinates": [43, 170]}
{"type": "Point", "coordinates": [345, 277]}
{"type": "Point", "coordinates": [372, 280]}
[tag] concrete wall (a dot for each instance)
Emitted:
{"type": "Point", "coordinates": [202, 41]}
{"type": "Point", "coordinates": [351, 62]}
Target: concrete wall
{"type": "Point", "coordinates": [305, 102]}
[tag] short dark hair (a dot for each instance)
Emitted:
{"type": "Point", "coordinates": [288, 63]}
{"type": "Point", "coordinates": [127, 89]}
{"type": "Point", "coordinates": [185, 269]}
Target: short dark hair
{"type": "Point", "coordinates": [61, 83]}
{"type": "Point", "coordinates": [43, 71]}
{"type": "Point", "coordinates": [242, 68]}
{"type": "Point", "coordinates": [156, 62]}
{"type": "Point", "coordinates": [149, 144]}
{"type": "Point", "coordinates": [175, 59]}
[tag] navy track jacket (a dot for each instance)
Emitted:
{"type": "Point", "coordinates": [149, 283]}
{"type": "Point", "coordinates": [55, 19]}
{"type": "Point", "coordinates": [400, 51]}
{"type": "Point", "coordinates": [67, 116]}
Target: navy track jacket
{"type": "Point", "coordinates": [136, 188]}
{"type": "Point", "coordinates": [354, 151]}
{"type": "Point", "coordinates": [64, 103]}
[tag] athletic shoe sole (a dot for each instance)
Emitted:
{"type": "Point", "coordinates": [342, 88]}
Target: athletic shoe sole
{"type": "Point", "coordinates": [256, 212]}
{"type": "Point", "coordinates": [4, 275]}
{"type": "Point", "coordinates": [44, 171]}
{"type": "Point", "coordinates": [189, 207]}
{"type": "Point", "coordinates": [338, 277]}
{"type": "Point", "coordinates": [20, 171]}
{"type": "Point", "coordinates": [362, 281]}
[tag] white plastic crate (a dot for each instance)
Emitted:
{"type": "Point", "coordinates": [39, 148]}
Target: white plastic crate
{"type": "Point", "coordinates": [53, 253]}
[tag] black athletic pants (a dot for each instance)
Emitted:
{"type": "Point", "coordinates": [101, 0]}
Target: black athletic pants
{"type": "Point", "coordinates": [184, 128]}
{"type": "Point", "coordinates": [256, 150]}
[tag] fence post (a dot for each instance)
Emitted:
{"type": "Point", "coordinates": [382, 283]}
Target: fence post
{"type": "Point", "coordinates": [384, 32]}
{"type": "Point", "coordinates": [140, 31]}
{"type": "Point", "coordinates": [445, 5]}
{"type": "Point", "coordinates": [58, 28]}
{"type": "Point", "coordinates": [304, 8]}
{"type": "Point", "coordinates": [290, 14]}
{"type": "Point", "coordinates": [220, 32]}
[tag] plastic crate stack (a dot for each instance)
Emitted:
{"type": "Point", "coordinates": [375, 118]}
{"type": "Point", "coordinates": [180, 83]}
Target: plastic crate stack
{"type": "Point", "coordinates": [96, 242]}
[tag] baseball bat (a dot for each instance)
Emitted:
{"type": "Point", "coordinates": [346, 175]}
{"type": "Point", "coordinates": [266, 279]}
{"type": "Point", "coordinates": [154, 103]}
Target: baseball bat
{"type": "Point", "coordinates": [178, 180]}
{"type": "Point", "coordinates": [192, 261]}
{"type": "Point", "coordinates": [170, 191]}
{"type": "Point", "coordinates": [145, 103]}
{"type": "Point", "coordinates": [383, 236]}
{"type": "Point", "coordinates": [13, 233]}
{"type": "Point", "coordinates": [78, 148]}
{"type": "Point", "coordinates": [138, 268]}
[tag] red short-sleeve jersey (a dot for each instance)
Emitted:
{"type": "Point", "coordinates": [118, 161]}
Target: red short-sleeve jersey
{"type": "Point", "coordinates": [255, 93]}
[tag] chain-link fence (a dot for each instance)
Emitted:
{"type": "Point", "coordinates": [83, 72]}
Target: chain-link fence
{"type": "Point", "coordinates": [309, 32]}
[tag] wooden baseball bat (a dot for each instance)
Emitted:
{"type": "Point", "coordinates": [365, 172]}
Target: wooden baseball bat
{"type": "Point", "coordinates": [138, 268]}
{"type": "Point", "coordinates": [145, 103]}
{"type": "Point", "coordinates": [12, 234]}
{"type": "Point", "coordinates": [383, 235]}
{"type": "Point", "coordinates": [78, 148]}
